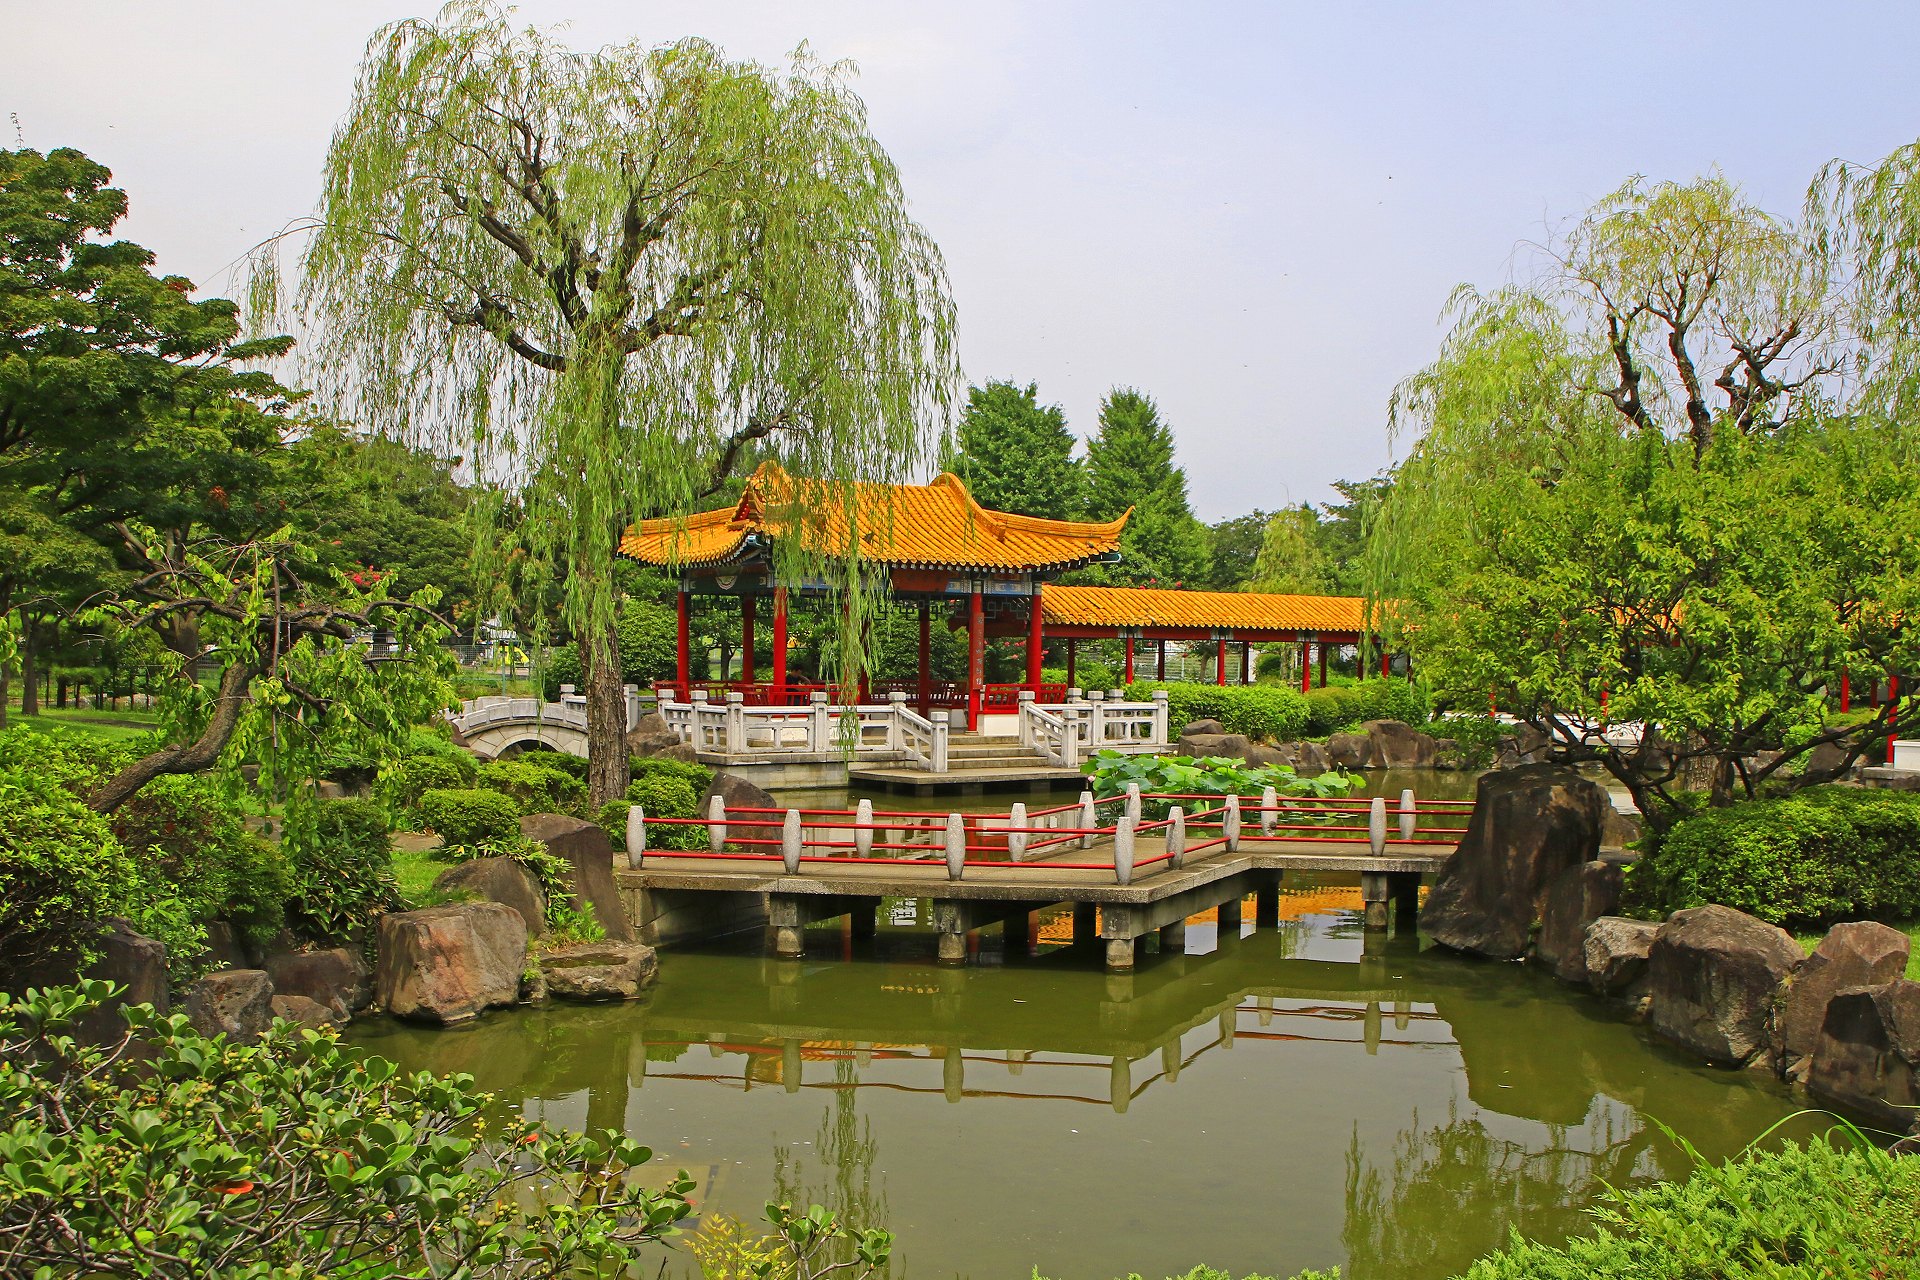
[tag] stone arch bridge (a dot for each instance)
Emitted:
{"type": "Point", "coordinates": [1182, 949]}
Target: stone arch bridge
{"type": "Point", "coordinates": [491, 725]}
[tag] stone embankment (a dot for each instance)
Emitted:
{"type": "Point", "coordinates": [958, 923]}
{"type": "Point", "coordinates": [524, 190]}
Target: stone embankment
{"type": "Point", "coordinates": [1377, 744]}
{"type": "Point", "coordinates": [439, 965]}
{"type": "Point", "coordinates": [1527, 882]}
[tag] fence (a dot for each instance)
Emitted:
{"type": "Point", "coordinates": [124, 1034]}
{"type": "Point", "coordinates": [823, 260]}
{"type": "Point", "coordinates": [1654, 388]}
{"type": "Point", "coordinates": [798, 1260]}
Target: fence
{"type": "Point", "coordinates": [869, 837]}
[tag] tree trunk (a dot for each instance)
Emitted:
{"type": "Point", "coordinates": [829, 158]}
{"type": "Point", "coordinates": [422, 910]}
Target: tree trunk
{"type": "Point", "coordinates": [29, 675]}
{"type": "Point", "coordinates": [229, 701]}
{"type": "Point", "coordinates": [607, 774]}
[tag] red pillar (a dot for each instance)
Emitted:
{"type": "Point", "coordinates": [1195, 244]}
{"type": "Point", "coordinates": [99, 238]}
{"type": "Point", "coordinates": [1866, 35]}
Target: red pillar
{"type": "Point", "coordinates": [1846, 691]}
{"type": "Point", "coordinates": [1893, 700]}
{"type": "Point", "coordinates": [1220, 662]}
{"type": "Point", "coordinates": [926, 658]}
{"type": "Point", "coordinates": [976, 655]}
{"type": "Point", "coordinates": [1073, 652]}
{"type": "Point", "coordinates": [683, 651]}
{"type": "Point", "coordinates": [1323, 664]}
{"type": "Point", "coordinates": [1386, 660]}
{"type": "Point", "coordinates": [1129, 679]}
{"type": "Point", "coordinates": [1035, 621]}
{"type": "Point", "coordinates": [1306, 666]}
{"type": "Point", "coordinates": [1160, 660]}
{"type": "Point", "coordinates": [779, 646]}
{"type": "Point", "coordinates": [1246, 662]}
{"type": "Point", "coordinates": [746, 637]}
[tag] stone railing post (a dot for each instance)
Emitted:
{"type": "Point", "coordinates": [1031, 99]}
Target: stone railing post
{"type": "Point", "coordinates": [1027, 734]}
{"type": "Point", "coordinates": [1161, 731]}
{"type": "Point", "coordinates": [1123, 851]}
{"type": "Point", "coordinates": [1089, 818]}
{"type": "Point", "coordinates": [790, 841]}
{"type": "Point", "coordinates": [1176, 837]}
{"type": "Point", "coordinates": [716, 824]}
{"type": "Point", "coordinates": [1096, 718]}
{"type": "Point", "coordinates": [1407, 806]}
{"type": "Point", "coordinates": [896, 727]}
{"type": "Point", "coordinates": [942, 727]}
{"type": "Point", "coordinates": [1269, 799]}
{"type": "Point", "coordinates": [956, 846]}
{"type": "Point", "coordinates": [1230, 824]}
{"type": "Point", "coordinates": [736, 721]}
{"type": "Point", "coordinates": [863, 838]}
{"type": "Point", "coordinates": [1017, 839]}
{"type": "Point", "coordinates": [633, 706]}
{"type": "Point", "coordinates": [1377, 826]}
{"type": "Point", "coordinates": [819, 727]}
{"type": "Point", "coordinates": [636, 836]}
{"type": "Point", "coordinates": [1133, 801]}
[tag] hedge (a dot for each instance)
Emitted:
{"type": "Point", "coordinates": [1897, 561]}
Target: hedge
{"type": "Point", "coordinates": [470, 816]}
{"type": "Point", "coordinates": [1820, 855]}
{"type": "Point", "coordinates": [534, 787]}
{"type": "Point", "coordinates": [695, 774]}
{"type": "Point", "coordinates": [1339, 707]}
{"type": "Point", "coordinates": [343, 878]}
{"type": "Point", "coordinates": [420, 773]}
{"type": "Point", "coordinates": [661, 794]}
{"type": "Point", "coordinates": [1271, 713]}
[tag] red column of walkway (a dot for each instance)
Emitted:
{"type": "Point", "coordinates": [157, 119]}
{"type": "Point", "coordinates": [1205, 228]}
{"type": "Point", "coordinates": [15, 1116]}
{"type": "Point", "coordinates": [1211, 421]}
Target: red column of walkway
{"type": "Point", "coordinates": [1073, 653]}
{"type": "Point", "coordinates": [1246, 663]}
{"type": "Point", "coordinates": [746, 637]}
{"type": "Point", "coordinates": [1160, 660]}
{"type": "Point", "coordinates": [1323, 664]}
{"type": "Point", "coordinates": [779, 645]}
{"type": "Point", "coordinates": [1129, 679]}
{"type": "Point", "coordinates": [683, 645]}
{"type": "Point", "coordinates": [1034, 623]}
{"type": "Point", "coordinates": [1306, 666]}
{"type": "Point", "coordinates": [926, 657]}
{"type": "Point", "coordinates": [1893, 700]}
{"type": "Point", "coordinates": [976, 655]}
{"type": "Point", "coordinates": [1220, 662]}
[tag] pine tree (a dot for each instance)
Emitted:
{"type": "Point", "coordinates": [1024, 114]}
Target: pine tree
{"type": "Point", "coordinates": [1016, 454]}
{"type": "Point", "coordinates": [1130, 464]}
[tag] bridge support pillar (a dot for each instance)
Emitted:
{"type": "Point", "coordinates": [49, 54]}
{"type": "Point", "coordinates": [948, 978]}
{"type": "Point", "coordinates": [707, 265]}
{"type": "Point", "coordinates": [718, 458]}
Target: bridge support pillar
{"type": "Point", "coordinates": [789, 914]}
{"type": "Point", "coordinates": [1173, 938]}
{"type": "Point", "coordinates": [1085, 917]}
{"type": "Point", "coordinates": [1373, 892]}
{"type": "Point", "coordinates": [1019, 933]}
{"type": "Point", "coordinates": [955, 918]}
{"type": "Point", "coordinates": [1230, 918]}
{"type": "Point", "coordinates": [1266, 906]}
{"type": "Point", "coordinates": [1371, 1027]}
{"type": "Point", "coordinates": [1119, 955]}
{"type": "Point", "coordinates": [1404, 887]}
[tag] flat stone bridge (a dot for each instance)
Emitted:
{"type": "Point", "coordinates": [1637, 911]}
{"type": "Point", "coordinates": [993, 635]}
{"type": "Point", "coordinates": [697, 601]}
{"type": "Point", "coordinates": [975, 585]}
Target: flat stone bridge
{"type": "Point", "coordinates": [672, 899]}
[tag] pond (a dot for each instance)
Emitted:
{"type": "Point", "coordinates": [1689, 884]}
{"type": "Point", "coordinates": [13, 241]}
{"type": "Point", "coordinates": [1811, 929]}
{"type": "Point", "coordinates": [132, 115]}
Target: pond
{"type": "Point", "coordinates": [1297, 1096]}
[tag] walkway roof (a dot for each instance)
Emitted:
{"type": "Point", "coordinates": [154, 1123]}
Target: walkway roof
{"type": "Point", "coordinates": [1247, 614]}
{"type": "Point", "coordinates": [912, 526]}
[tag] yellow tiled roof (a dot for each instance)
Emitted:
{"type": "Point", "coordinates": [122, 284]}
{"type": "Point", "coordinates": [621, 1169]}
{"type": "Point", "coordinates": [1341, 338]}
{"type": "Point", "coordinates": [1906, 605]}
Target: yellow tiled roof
{"type": "Point", "coordinates": [934, 526]}
{"type": "Point", "coordinates": [1221, 610]}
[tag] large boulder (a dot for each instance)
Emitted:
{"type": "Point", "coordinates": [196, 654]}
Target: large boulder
{"type": "Point", "coordinates": [651, 736]}
{"type": "Point", "coordinates": [598, 971]}
{"type": "Point", "coordinates": [1867, 1056]}
{"type": "Point", "coordinates": [1713, 974]}
{"type": "Point", "coordinates": [1530, 826]}
{"type": "Point", "coordinates": [1574, 901]}
{"type": "Point", "coordinates": [502, 880]}
{"type": "Point", "coordinates": [236, 1003]}
{"type": "Point", "coordinates": [450, 964]}
{"type": "Point", "coordinates": [736, 793]}
{"type": "Point", "coordinates": [1394, 744]}
{"type": "Point", "coordinates": [1525, 746]}
{"type": "Point", "coordinates": [303, 1011]}
{"type": "Point", "coordinates": [1202, 728]}
{"type": "Point", "coordinates": [588, 853]}
{"type": "Point", "coordinates": [1858, 953]}
{"type": "Point", "coordinates": [134, 961]}
{"type": "Point", "coordinates": [1622, 828]}
{"type": "Point", "coordinates": [1348, 750]}
{"type": "Point", "coordinates": [338, 977]}
{"type": "Point", "coordinates": [1234, 745]}
{"type": "Point", "coordinates": [1616, 950]}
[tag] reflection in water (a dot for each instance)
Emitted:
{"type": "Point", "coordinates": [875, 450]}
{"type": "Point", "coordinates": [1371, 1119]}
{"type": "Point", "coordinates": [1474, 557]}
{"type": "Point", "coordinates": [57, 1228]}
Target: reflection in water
{"type": "Point", "coordinates": [1264, 1102]}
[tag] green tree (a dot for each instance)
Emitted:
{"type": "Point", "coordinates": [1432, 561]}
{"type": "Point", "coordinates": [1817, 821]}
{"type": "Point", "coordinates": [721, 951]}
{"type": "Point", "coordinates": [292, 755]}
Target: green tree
{"type": "Point", "coordinates": [1590, 529]}
{"type": "Point", "coordinates": [1291, 561]}
{"type": "Point", "coordinates": [1016, 454]}
{"type": "Point", "coordinates": [617, 273]}
{"type": "Point", "coordinates": [1130, 465]}
{"type": "Point", "coordinates": [1232, 547]}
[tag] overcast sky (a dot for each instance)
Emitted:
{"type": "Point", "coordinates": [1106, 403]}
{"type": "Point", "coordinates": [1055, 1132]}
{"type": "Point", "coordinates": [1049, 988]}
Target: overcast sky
{"type": "Point", "coordinates": [1252, 211]}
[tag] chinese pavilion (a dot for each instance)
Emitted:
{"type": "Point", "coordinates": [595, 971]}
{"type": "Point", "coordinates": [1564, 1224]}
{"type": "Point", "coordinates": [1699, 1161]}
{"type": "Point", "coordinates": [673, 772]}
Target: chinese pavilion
{"type": "Point", "coordinates": [987, 571]}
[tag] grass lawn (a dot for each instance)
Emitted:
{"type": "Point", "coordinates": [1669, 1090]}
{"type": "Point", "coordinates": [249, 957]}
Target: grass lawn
{"type": "Point", "coordinates": [416, 868]}
{"type": "Point", "coordinates": [74, 723]}
{"type": "Point", "coordinates": [1808, 941]}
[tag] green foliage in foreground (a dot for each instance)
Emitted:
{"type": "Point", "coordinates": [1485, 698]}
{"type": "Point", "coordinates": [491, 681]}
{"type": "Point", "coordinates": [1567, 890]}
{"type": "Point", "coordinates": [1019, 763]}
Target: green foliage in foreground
{"type": "Point", "coordinates": [171, 1154]}
{"type": "Point", "coordinates": [1824, 854]}
{"type": "Point", "coordinates": [1265, 712]}
{"type": "Point", "coordinates": [470, 816]}
{"type": "Point", "coordinates": [1111, 771]}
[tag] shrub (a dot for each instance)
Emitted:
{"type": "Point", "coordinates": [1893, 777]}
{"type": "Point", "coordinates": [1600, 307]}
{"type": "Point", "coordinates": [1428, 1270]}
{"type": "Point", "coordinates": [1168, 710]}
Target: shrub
{"type": "Point", "coordinates": [342, 871]}
{"type": "Point", "coordinates": [1267, 712]}
{"type": "Point", "coordinates": [1332, 709]}
{"type": "Point", "coordinates": [1335, 708]}
{"type": "Point", "coordinates": [194, 838]}
{"type": "Point", "coordinates": [1823, 854]}
{"type": "Point", "coordinates": [534, 787]}
{"type": "Point", "coordinates": [468, 816]}
{"type": "Point", "coordinates": [663, 795]}
{"type": "Point", "coordinates": [296, 1156]}
{"type": "Point", "coordinates": [418, 774]}
{"type": "Point", "coordinates": [558, 761]}
{"type": "Point", "coordinates": [693, 772]}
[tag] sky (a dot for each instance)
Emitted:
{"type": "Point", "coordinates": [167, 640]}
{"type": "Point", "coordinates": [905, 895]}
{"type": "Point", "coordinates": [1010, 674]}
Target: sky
{"type": "Point", "coordinates": [1254, 212]}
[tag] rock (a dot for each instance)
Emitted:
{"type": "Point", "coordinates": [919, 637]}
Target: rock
{"type": "Point", "coordinates": [588, 852]}
{"type": "Point", "coordinates": [1348, 750]}
{"type": "Point", "coordinates": [1530, 826]}
{"type": "Point", "coordinates": [1857, 954]}
{"type": "Point", "coordinates": [448, 964]}
{"type": "Point", "coordinates": [651, 736]}
{"type": "Point", "coordinates": [1201, 728]}
{"type": "Point", "coordinates": [236, 1003]}
{"type": "Point", "coordinates": [1260, 755]}
{"type": "Point", "coordinates": [1713, 974]}
{"type": "Point", "coordinates": [1394, 744]}
{"type": "Point", "coordinates": [224, 948]}
{"type": "Point", "coordinates": [736, 793]}
{"type": "Point", "coordinates": [326, 790]}
{"type": "Point", "coordinates": [1826, 759]}
{"type": "Point", "coordinates": [134, 961]}
{"type": "Point", "coordinates": [335, 976]}
{"type": "Point", "coordinates": [1526, 746]}
{"type": "Point", "coordinates": [598, 971]}
{"type": "Point", "coordinates": [1234, 745]}
{"type": "Point", "coordinates": [1616, 954]}
{"type": "Point", "coordinates": [1620, 829]}
{"type": "Point", "coordinates": [678, 751]}
{"type": "Point", "coordinates": [1867, 1056]}
{"type": "Point", "coordinates": [498, 880]}
{"type": "Point", "coordinates": [1574, 901]}
{"type": "Point", "coordinates": [1448, 755]}
{"type": "Point", "coordinates": [306, 1012]}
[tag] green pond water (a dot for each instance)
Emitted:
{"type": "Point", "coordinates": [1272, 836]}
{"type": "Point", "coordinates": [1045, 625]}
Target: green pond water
{"type": "Point", "coordinates": [1294, 1096]}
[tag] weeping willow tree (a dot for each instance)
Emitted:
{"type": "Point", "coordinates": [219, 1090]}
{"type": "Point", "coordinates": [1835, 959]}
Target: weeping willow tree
{"type": "Point", "coordinates": [609, 280]}
{"type": "Point", "coordinates": [1645, 487]}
